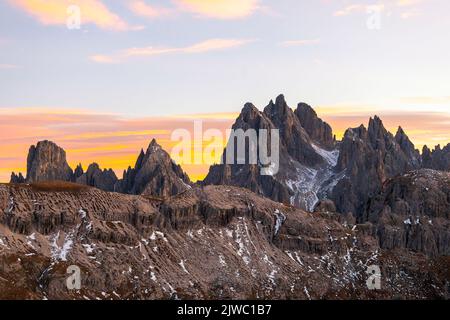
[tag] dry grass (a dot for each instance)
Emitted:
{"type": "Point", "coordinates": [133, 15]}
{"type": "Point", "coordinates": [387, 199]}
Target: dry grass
{"type": "Point", "coordinates": [52, 186]}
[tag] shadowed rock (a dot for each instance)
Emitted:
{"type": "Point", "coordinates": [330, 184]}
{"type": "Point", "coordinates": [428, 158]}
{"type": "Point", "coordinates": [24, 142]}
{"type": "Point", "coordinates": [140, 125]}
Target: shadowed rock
{"type": "Point", "coordinates": [17, 178]}
{"type": "Point", "coordinates": [154, 174]}
{"type": "Point", "coordinates": [101, 179]}
{"type": "Point", "coordinates": [47, 162]}
{"type": "Point", "coordinates": [318, 130]}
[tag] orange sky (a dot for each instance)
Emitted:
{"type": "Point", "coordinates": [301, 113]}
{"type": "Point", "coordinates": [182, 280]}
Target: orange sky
{"type": "Point", "coordinates": [114, 141]}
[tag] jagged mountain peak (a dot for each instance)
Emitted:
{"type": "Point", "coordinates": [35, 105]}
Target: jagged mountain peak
{"type": "Point", "coordinates": [318, 130]}
{"type": "Point", "coordinates": [17, 178]}
{"type": "Point", "coordinates": [154, 174]}
{"type": "Point", "coordinates": [153, 146]}
{"type": "Point", "coordinates": [376, 126]}
{"type": "Point", "coordinates": [279, 109]}
{"type": "Point", "coordinates": [96, 177]}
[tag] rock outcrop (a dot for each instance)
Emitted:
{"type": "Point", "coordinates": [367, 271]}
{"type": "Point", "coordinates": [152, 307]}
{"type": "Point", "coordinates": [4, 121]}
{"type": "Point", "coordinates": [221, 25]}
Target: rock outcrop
{"type": "Point", "coordinates": [47, 162]}
{"type": "Point", "coordinates": [154, 174]}
{"type": "Point", "coordinates": [17, 178]}
{"type": "Point", "coordinates": [438, 159]}
{"type": "Point", "coordinates": [368, 157]}
{"type": "Point", "coordinates": [317, 129]}
{"type": "Point", "coordinates": [95, 177]}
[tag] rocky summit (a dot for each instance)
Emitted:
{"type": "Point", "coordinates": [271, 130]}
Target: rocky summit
{"type": "Point", "coordinates": [46, 162]}
{"type": "Point", "coordinates": [155, 174]}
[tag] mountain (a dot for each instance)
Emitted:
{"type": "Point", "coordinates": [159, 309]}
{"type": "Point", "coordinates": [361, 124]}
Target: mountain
{"type": "Point", "coordinates": [314, 166]}
{"type": "Point", "coordinates": [367, 158]}
{"type": "Point", "coordinates": [213, 242]}
{"type": "Point", "coordinates": [95, 177]}
{"type": "Point", "coordinates": [46, 162]}
{"type": "Point", "coordinates": [17, 178]}
{"type": "Point", "coordinates": [306, 161]}
{"type": "Point", "coordinates": [438, 159]}
{"type": "Point", "coordinates": [154, 174]}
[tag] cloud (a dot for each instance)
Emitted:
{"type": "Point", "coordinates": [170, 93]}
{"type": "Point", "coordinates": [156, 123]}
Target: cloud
{"type": "Point", "coordinates": [408, 3]}
{"type": "Point", "coordinates": [141, 8]}
{"type": "Point", "coordinates": [349, 10]}
{"type": "Point", "coordinates": [405, 8]}
{"type": "Point", "coordinates": [292, 43]}
{"type": "Point", "coordinates": [9, 66]}
{"type": "Point", "coordinates": [201, 47]}
{"type": "Point", "coordinates": [426, 100]}
{"type": "Point", "coordinates": [112, 140]}
{"type": "Point", "coordinates": [55, 12]}
{"type": "Point", "coordinates": [220, 9]}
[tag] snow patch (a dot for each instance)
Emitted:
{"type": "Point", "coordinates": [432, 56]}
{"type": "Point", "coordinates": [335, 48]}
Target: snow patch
{"type": "Point", "coordinates": [60, 253]}
{"type": "Point", "coordinates": [181, 263]}
{"type": "Point", "coordinates": [280, 218]}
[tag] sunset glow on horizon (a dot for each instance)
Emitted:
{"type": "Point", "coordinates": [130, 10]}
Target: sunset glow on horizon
{"type": "Point", "coordinates": [114, 141]}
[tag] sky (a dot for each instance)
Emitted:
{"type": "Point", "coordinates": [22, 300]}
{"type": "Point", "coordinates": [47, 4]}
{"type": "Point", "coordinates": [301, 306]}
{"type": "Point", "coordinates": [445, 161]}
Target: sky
{"type": "Point", "coordinates": [133, 70]}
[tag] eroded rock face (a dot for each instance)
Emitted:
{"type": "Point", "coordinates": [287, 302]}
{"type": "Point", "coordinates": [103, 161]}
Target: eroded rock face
{"type": "Point", "coordinates": [306, 169]}
{"type": "Point", "coordinates": [293, 136]}
{"type": "Point", "coordinates": [438, 159]}
{"type": "Point", "coordinates": [47, 162]}
{"type": "Point", "coordinates": [317, 129]}
{"type": "Point", "coordinates": [368, 157]}
{"type": "Point", "coordinates": [95, 177]}
{"type": "Point", "coordinates": [413, 211]}
{"type": "Point", "coordinates": [155, 174]}
{"type": "Point", "coordinates": [215, 242]}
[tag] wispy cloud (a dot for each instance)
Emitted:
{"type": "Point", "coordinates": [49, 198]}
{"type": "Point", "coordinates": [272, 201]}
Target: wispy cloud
{"type": "Point", "coordinates": [54, 12]}
{"type": "Point", "coordinates": [350, 10]}
{"type": "Point", "coordinates": [9, 66]}
{"type": "Point", "coordinates": [303, 42]}
{"type": "Point", "coordinates": [141, 8]}
{"type": "Point", "coordinates": [221, 9]}
{"type": "Point", "coordinates": [405, 8]}
{"type": "Point", "coordinates": [112, 140]}
{"type": "Point", "coordinates": [408, 3]}
{"type": "Point", "coordinates": [201, 47]}
{"type": "Point", "coordinates": [426, 100]}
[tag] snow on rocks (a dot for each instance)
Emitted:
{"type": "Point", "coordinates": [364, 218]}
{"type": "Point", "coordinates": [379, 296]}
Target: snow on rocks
{"type": "Point", "coordinates": [30, 240]}
{"type": "Point", "coordinates": [310, 184]}
{"type": "Point", "coordinates": [158, 234]}
{"type": "Point", "coordinates": [181, 263]}
{"type": "Point", "coordinates": [60, 253]}
{"type": "Point", "coordinates": [10, 205]}
{"type": "Point", "coordinates": [279, 219]}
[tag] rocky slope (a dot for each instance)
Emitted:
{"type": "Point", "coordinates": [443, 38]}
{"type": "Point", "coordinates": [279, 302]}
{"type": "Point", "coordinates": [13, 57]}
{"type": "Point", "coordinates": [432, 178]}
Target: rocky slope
{"type": "Point", "coordinates": [154, 174]}
{"type": "Point", "coordinates": [413, 211]}
{"type": "Point", "coordinates": [206, 243]}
